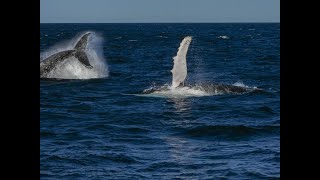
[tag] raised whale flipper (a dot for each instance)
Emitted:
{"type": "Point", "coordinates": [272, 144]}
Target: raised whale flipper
{"type": "Point", "coordinates": [83, 58]}
{"type": "Point", "coordinates": [82, 43]}
{"type": "Point", "coordinates": [179, 71]}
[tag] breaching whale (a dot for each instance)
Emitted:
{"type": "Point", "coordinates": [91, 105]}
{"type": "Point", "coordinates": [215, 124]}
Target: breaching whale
{"type": "Point", "coordinates": [49, 64]}
{"type": "Point", "coordinates": [179, 74]}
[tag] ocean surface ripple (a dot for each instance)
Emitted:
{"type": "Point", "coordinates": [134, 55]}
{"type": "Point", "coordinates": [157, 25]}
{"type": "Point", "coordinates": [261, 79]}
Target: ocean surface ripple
{"type": "Point", "coordinates": [104, 129]}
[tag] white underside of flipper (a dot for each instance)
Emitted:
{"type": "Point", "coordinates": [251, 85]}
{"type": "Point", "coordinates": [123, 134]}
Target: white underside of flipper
{"type": "Point", "coordinates": [179, 71]}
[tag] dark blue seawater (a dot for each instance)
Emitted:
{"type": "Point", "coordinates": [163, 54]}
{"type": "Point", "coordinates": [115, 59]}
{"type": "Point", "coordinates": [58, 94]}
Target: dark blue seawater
{"type": "Point", "coordinates": [98, 129]}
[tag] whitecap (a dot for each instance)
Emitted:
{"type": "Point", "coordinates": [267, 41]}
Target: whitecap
{"type": "Point", "coordinates": [223, 37]}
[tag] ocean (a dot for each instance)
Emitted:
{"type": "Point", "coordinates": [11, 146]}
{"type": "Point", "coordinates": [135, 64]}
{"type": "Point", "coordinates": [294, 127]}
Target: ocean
{"type": "Point", "coordinates": [107, 128]}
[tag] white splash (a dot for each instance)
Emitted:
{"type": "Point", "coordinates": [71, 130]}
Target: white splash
{"type": "Point", "coordinates": [197, 90]}
{"type": "Point", "coordinates": [179, 71]}
{"type": "Point", "coordinates": [72, 68]}
{"type": "Point", "coordinates": [168, 91]}
{"type": "Point", "coordinates": [241, 84]}
{"type": "Point", "coordinates": [223, 37]}
{"type": "Point", "coordinates": [181, 92]}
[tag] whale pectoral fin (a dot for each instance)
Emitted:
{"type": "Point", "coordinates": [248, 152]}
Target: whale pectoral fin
{"type": "Point", "coordinates": [179, 70]}
{"type": "Point", "coordinates": [83, 58]}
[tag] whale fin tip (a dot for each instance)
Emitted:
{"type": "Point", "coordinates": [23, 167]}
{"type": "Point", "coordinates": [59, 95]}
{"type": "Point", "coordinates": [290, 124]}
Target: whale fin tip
{"type": "Point", "coordinates": [83, 58]}
{"type": "Point", "coordinates": [82, 43]}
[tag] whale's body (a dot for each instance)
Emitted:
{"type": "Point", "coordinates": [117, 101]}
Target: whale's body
{"type": "Point", "coordinates": [49, 64]}
{"type": "Point", "coordinates": [210, 89]}
{"type": "Point", "coordinates": [179, 74]}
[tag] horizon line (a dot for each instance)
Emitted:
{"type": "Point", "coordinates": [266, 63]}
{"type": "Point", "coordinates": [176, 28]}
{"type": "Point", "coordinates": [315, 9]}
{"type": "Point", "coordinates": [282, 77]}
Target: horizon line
{"type": "Point", "coordinates": [154, 22]}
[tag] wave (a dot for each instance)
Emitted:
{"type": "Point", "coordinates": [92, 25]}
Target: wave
{"type": "Point", "coordinates": [241, 84]}
{"type": "Point", "coordinates": [165, 37]}
{"type": "Point", "coordinates": [223, 37]}
{"type": "Point", "coordinates": [231, 132]}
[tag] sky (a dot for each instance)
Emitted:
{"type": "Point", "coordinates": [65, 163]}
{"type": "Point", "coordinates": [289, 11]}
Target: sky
{"type": "Point", "coordinates": [144, 11]}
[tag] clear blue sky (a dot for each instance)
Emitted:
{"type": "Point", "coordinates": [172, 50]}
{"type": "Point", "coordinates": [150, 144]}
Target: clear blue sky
{"type": "Point", "coordinates": [121, 11]}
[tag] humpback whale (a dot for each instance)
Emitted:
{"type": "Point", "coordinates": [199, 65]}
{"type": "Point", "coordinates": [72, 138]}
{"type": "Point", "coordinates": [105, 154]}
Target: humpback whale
{"type": "Point", "coordinates": [50, 63]}
{"type": "Point", "coordinates": [179, 74]}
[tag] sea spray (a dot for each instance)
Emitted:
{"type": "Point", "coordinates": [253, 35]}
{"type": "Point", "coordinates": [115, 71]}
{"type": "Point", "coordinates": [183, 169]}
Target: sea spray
{"type": "Point", "coordinates": [179, 74]}
{"type": "Point", "coordinates": [71, 68]}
